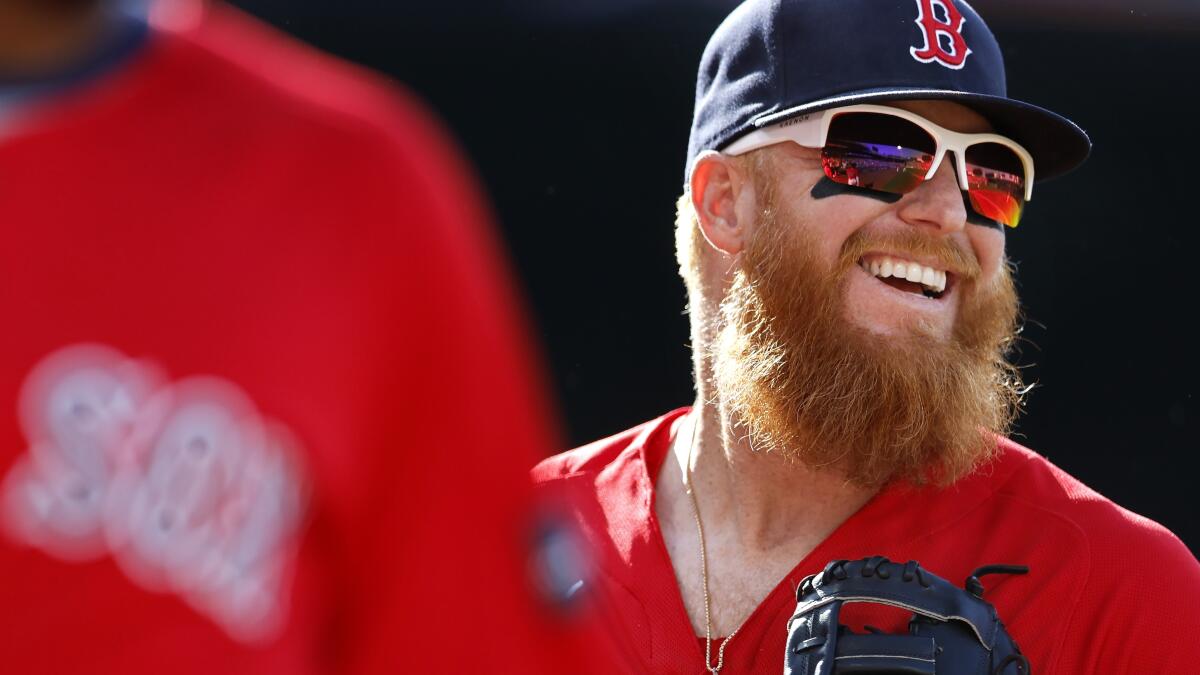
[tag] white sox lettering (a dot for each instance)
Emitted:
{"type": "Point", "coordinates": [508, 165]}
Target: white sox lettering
{"type": "Point", "coordinates": [187, 487]}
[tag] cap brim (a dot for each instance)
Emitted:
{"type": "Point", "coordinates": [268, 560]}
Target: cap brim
{"type": "Point", "coordinates": [1056, 143]}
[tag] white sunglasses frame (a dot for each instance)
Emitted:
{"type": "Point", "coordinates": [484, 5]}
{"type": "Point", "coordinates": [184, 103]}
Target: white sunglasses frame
{"type": "Point", "coordinates": [812, 130]}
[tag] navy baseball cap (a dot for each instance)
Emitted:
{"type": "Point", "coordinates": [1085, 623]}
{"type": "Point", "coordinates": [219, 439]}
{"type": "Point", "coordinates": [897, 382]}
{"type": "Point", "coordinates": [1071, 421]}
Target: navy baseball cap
{"type": "Point", "coordinates": [771, 60]}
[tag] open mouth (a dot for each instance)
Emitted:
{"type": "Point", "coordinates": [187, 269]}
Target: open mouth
{"type": "Point", "coordinates": [908, 276]}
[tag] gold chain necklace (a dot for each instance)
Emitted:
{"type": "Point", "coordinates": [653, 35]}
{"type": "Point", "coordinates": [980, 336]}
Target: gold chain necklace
{"type": "Point", "coordinates": [691, 492]}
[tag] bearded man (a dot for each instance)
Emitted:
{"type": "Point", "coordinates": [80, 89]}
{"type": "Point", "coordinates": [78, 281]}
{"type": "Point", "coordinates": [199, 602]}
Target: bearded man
{"type": "Point", "coordinates": [853, 168]}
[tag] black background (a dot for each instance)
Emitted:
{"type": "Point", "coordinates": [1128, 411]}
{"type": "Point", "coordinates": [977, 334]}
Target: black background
{"type": "Point", "coordinates": [576, 115]}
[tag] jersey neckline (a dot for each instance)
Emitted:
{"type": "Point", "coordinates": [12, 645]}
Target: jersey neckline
{"type": "Point", "coordinates": [887, 513]}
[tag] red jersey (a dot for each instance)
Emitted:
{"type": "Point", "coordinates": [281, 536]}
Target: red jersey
{"type": "Point", "coordinates": [1108, 591]}
{"type": "Point", "coordinates": [266, 400]}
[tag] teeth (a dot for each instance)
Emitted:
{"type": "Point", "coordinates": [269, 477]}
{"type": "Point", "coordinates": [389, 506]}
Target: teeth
{"type": "Point", "coordinates": [934, 280]}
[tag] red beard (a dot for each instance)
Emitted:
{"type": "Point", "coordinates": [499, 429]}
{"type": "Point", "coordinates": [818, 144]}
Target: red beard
{"type": "Point", "coordinates": [805, 382]}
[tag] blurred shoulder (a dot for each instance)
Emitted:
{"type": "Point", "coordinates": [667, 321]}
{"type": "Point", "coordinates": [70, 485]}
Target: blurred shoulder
{"type": "Point", "coordinates": [339, 143]}
{"type": "Point", "coordinates": [246, 57]}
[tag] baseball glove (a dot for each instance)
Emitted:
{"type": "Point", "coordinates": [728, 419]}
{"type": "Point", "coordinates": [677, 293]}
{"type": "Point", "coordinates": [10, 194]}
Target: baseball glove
{"type": "Point", "coordinates": [952, 631]}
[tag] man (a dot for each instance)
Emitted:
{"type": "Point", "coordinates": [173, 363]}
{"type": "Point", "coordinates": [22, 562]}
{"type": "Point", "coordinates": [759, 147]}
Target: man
{"type": "Point", "coordinates": [849, 348]}
{"type": "Point", "coordinates": [266, 399]}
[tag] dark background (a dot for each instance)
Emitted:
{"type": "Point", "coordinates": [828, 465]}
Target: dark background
{"type": "Point", "coordinates": [563, 104]}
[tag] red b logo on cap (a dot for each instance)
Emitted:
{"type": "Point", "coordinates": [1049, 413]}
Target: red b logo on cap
{"type": "Point", "coordinates": [955, 54]}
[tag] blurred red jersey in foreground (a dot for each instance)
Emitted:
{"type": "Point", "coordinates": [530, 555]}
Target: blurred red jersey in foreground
{"type": "Point", "coordinates": [266, 399]}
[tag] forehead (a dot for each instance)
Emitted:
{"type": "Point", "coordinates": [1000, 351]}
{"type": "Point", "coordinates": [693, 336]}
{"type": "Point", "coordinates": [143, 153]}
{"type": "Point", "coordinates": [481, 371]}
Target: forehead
{"type": "Point", "coordinates": [953, 116]}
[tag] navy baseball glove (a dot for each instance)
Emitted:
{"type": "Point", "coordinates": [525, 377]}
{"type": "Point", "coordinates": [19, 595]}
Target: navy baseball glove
{"type": "Point", "coordinates": [953, 631]}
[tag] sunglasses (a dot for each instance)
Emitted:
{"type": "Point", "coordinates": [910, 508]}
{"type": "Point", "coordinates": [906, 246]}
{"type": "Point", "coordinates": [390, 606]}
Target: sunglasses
{"type": "Point", "coordinates": [895, 151]}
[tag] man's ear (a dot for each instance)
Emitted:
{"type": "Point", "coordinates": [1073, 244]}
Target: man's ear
{"type": "Point", "coordinates": [717, 187]}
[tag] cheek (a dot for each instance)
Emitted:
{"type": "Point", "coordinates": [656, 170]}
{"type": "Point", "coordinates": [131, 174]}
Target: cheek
{"type": "Point", "coordinates": [831, 222]}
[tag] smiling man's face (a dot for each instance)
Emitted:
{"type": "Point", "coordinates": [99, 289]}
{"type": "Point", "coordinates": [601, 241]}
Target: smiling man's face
{"type": "Point", "coordinates": [823, 360]}
{"type": "Point", "coordinates": [913, 255]}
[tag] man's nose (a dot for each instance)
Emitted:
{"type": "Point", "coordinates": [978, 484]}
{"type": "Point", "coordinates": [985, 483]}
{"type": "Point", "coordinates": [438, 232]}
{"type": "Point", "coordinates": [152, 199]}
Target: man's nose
{"type": "Point", "coordinates": [938, 203]}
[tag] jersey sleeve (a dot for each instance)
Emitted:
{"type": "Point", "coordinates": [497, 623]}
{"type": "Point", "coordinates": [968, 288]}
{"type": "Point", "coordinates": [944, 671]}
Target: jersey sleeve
{"type": "Point", "coordinates": [1137, 610]}
{"type": "Point", "coordinates": [1160, 608]}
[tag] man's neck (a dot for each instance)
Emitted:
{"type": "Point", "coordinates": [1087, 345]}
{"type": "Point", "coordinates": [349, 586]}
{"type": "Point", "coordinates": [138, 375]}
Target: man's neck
{"type": "Point", "coordinates": [761, 515]}
{"type": "Point", "coordinates": [37, 38]}
{"type": "Point", "coordinates": [763, 499]}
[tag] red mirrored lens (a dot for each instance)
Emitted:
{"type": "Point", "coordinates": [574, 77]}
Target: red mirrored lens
{"type": "Point", "coordinates": [875, 151]}
{"type": "Point", "coordinates": [996, 182]}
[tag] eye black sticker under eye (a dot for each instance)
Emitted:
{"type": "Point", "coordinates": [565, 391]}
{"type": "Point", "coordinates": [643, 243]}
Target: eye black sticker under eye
{"type": "Point", "coordinates": [828, 188]}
